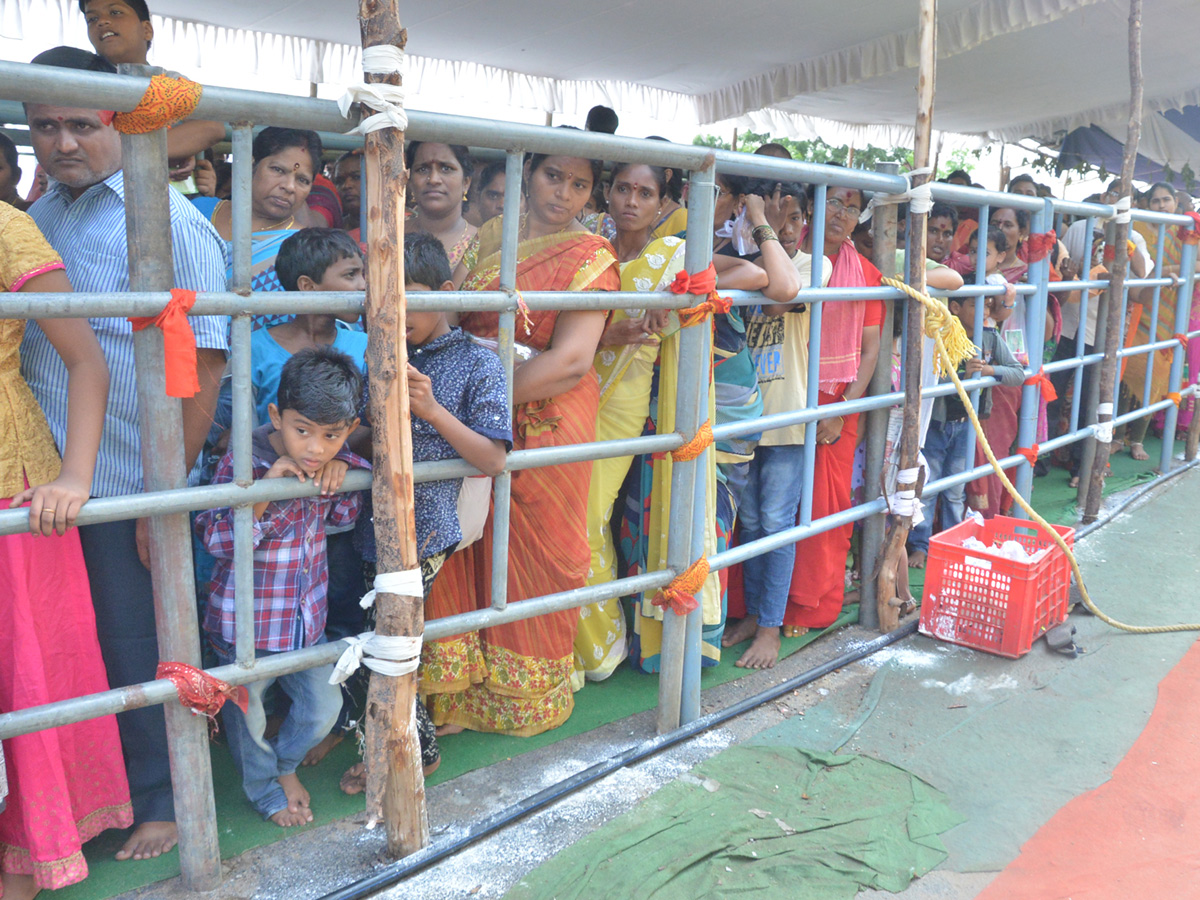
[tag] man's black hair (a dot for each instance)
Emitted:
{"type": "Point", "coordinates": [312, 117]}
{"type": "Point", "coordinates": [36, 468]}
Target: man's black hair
{"type": "Point", "coordinates": [272, 140]}
{"type": "Point", "coordinates": [958, 173]}
{"type": "Point", "coordinates": [322, 384]}
{"type": "Point", "coordinates": [941, 209]}
{"type": "Point", "coordinates": [603, 119]}
{"type": "Point", "coordinates": [311, 251]}
{"type": "Point", "coordinates": [425, 260]}
{"type": "Point", "coordinates": [1020, 179]}
{"type": "Point", "coordinates": [139, 7]}
{"type": "Point", "coordinates": [73, 58]}
{"type": "Point", "coordinates": [11, 156]}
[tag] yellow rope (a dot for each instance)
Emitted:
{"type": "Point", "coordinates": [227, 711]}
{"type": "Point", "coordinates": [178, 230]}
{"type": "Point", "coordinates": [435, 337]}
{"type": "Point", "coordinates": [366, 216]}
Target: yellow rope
{"type": "Point", "coordinates": [937, 328]}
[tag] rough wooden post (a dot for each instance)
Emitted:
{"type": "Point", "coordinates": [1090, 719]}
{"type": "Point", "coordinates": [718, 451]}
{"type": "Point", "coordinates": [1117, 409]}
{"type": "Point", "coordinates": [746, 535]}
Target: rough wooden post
{"type": "Point", "coordinates": [1120, 263]}
{"type": "Point", "coordinates": [395, 782]}
{"type": "Point", "coordinates": [887, 602]}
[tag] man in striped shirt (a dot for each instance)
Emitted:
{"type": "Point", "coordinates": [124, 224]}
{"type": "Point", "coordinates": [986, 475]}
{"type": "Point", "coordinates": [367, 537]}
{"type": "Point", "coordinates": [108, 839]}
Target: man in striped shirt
{"type": "Point", "coordinates": [82, 215]}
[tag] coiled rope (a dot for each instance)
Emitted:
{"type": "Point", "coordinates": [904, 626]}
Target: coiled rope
{"type": "Point", "coordinates": [939, 328]}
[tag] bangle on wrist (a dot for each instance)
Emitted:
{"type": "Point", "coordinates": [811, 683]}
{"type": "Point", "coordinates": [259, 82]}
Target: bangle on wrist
{"type": "Point", "coordinates": [764, 233]}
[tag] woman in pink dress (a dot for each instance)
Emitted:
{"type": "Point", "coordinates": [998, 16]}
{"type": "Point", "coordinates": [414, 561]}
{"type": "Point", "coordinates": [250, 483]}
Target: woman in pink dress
{"type": "Point", "coordinates": [66, 784]}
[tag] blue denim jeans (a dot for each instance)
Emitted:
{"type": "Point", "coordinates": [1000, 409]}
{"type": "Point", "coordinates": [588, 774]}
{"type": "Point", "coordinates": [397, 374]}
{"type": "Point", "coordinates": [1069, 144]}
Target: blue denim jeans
{"type": "Point", "coordinates": [769, 505]}
{"type": "Point", "coordinates": [315, 707]}
{"type": "Point", "coordinates": [945, 455]}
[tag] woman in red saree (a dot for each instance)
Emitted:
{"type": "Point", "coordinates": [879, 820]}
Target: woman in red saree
{"type": "Point", "coordinates": [516, 678]}
{"type": "Point", "coordinates": [849, 347]}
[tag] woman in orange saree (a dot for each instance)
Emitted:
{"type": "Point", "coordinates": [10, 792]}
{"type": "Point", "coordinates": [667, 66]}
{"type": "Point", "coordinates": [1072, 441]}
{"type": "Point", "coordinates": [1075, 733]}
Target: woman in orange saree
{"type": "Point", "coordinates": [516, 678]}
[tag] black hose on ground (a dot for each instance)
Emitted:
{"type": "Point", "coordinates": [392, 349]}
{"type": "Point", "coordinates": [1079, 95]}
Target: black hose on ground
{"type": "Point", "coordinates": [422, 859]}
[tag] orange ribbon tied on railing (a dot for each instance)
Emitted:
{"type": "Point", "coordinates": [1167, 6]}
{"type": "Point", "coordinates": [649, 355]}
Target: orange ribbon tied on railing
{"type": "Point", "coordinates": [1042, 380]}
{"type": "Point", "coordinates": [1038, 246]}
{"type": "Point", "coordinates": [1030, 453]}
{"type": "Point", "coordinates": [1175, 398]}
{"type": "Point", "coordinates": [1110, 252]}
{"type": "Point", "coordinates": [701, 284]}
{"type": "Point", "coordinates": [697, 445]}
{"type": "Point", "coordinates": [680, 595]}
{"type": "Point", "coordinates": [1190, 235]}
{"type": "Point", "coordinates": [1183, 340]}
{"type": "Point", "coordinates": [179, 343]}
{"type": "Point", "coordinates": [165, 102]}
{"type": "Point", "coordinates": [200, 692]}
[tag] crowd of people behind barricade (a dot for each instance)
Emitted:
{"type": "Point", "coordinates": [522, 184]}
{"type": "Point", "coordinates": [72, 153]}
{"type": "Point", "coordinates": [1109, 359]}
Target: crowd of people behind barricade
{"type": "Point", "coordinates": [79, 616]}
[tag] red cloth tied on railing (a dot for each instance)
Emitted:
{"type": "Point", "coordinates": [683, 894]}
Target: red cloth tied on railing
{"type": "Point", "coordinates": [680, 595]}
{"type": "Point", "coordinates": [1110, 251]}
{"type": "Point", "coordinates": [179, 343]}
{"type": "Point", "coordinates": [1038, 246]}
{"type": "Point", "coordinates": [701, 284]}
{"type": "Point", "coordinates": [1042, 380]}
{"type": "Point", "coordinates": [200, 692]}
{"type": "Point", "coordinates": [1030, 453]}
{"type": "Point", "coordinates": [167, 100]}
{"type": "Point", "coordinates": [1189, 235]}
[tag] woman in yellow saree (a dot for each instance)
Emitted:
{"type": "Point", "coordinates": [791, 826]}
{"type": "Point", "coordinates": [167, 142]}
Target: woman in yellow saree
{"type": "Point", "coordinates": [625, 362]}
{"type": "Point", "coordinates": [1161, 199]}
{"type": "Point", "coordinates": [516, 678]}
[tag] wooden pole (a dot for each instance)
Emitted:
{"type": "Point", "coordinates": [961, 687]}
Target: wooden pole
{"type": "Point", "coordinates": [1120, 263]}
{"type": "Point", "coordinates": [887, 601]}
{"type": "Point", "coordinates": [395, 782]}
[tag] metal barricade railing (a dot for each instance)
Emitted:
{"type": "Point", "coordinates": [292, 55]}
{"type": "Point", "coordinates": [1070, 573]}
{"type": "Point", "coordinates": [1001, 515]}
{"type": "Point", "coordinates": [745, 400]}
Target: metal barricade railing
{"type": "Point", "coordinates": [679, 691]}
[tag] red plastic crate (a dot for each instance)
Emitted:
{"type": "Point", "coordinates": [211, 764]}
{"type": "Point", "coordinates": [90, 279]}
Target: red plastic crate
{"type": "Point", "coordinates": [985, 601]}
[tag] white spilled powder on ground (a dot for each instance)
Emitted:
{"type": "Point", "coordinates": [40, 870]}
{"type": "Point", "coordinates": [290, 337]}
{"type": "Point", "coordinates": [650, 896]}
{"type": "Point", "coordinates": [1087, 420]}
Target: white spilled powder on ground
{"type": "Point", "coordinates": [970, 684]}
{"type": "Point", "coordinates": [489, 868]}
{"type": "Point", "coordinates": [904, 657]}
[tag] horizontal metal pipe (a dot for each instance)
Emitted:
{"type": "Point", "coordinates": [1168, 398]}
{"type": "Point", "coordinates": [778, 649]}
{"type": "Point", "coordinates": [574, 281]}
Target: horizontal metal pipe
{"type": "Point", "coordinates": [1143, 349]}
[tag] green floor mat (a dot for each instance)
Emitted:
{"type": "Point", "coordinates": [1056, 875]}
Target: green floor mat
{"type": "Point", "coordinates": [624, 694]}
{"type": "Point", "coordinates": [762, 821]}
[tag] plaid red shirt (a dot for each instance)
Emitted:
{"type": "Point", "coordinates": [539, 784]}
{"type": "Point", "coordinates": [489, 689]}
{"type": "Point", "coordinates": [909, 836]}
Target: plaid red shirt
{"type": "Point", "coordinates": [291, 573]}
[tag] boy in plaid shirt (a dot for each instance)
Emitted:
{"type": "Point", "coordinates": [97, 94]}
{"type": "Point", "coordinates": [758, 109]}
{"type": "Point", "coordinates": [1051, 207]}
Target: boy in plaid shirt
{"type": "Point", "coordinates": [316, 410]}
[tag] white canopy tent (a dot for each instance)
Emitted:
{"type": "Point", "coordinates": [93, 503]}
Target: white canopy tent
{"type": "Point", "coordinates": [1008, 69]}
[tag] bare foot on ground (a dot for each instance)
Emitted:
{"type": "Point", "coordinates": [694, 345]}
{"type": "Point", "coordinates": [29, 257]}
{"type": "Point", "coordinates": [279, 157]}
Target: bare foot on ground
{"type": "Point", "coordinates": [916, 559]}
{"type": "Point", "coordinates": [18, 887]}
{"type": "Point", "coordinates": [763, 652]}
{"type": "Point", "coordinates": [319, 752]}
{"type": "Point", "coordinates": [298, 811]}
{"type": "Point", "coordinates": [443, 730]}
{"type": "Point", "coordinates": [354, 781]}
{"type": "Point", "coordinates": [150, 839]}
{"type": "Point", "coordinates": [741, 631]}
{"type": "Point", "coordinates": [1138, 452]}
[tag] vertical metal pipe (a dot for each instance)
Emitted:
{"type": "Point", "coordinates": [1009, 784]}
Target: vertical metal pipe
{"type": "Point", "coordinates": [1035, 328]}
{"type": "Point", "coordinates": [883, 227]}
{"type": "Point", "coordinates": [160, 420]}
{"type": "Point", "coordinates": [686, 486]}
{"type": "Point", "coordinates": [980, 305]}
{"type": "Point", "coordinates": [1183, 306]}
{"type": "Point", "coordinates": [1081, 335]}
{"type": "Point", "coordinates": [243, 398]}
{"type": "Point", "coordinates": [814, 356]}
{"type": "Point", "coordinates": [506, 336]}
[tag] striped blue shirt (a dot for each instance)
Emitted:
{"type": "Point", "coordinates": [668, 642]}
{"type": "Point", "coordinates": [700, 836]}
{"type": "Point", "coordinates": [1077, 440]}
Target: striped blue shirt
{"type": "Point", "coordinates": [89, 233]}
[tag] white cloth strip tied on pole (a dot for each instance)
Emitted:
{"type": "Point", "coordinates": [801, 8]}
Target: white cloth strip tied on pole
{"type": "Point", "coordinates": [1124, 211]}
{"type": "Point", "coordinates": [405, 584]}
{"type": "Point", "coordinates": [905, 502]}
{"type": "Point", "coordinates": [386, 99]}
{"type": "Point", "coordinates": [1104, 430]}
{"type": "Point", "coordinates": [919, 198]}
{"type": "Point", "coordinates": [393, 655]}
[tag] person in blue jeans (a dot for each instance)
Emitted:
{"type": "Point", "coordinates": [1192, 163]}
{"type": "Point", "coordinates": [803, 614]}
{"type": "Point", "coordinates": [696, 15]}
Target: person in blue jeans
{"type": "Point", "coordinates": [316, 409]}
{"type": "Point", "coordinates": [945, 448]}
{"type": "Point", "coordinates": [777, 338]}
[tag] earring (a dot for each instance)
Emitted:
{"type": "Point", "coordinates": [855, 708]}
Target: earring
{"type": "Point", "coordinates": [464, 196]}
